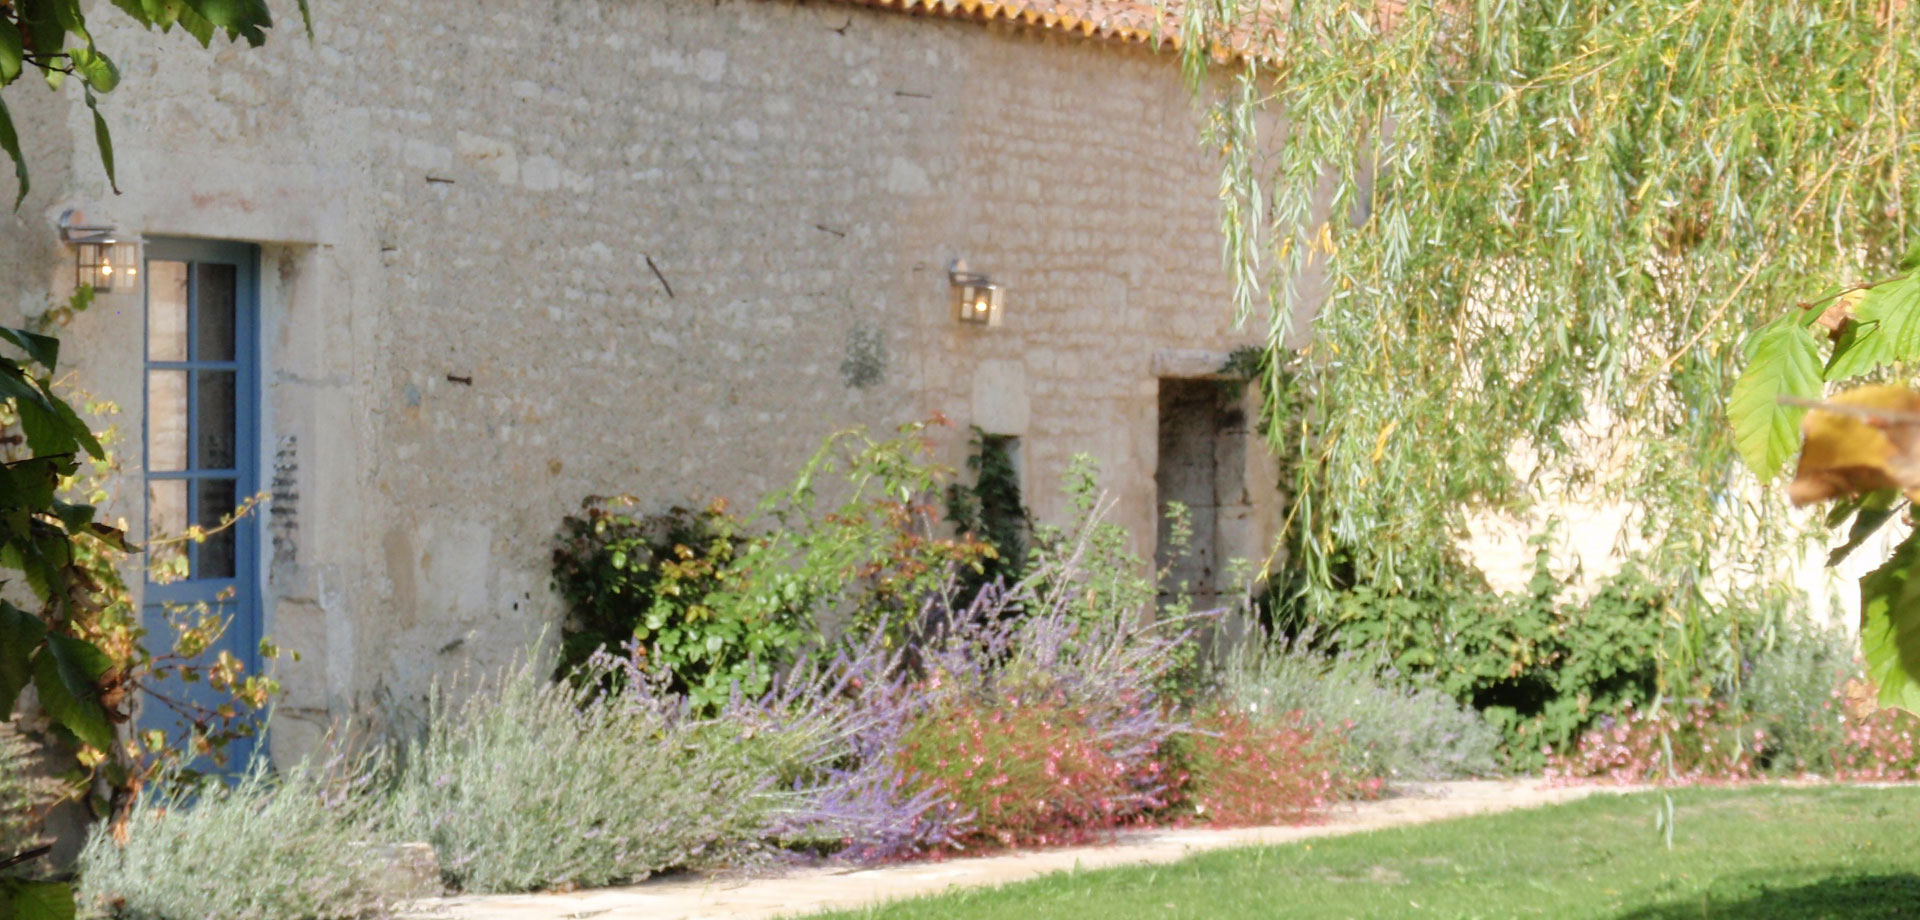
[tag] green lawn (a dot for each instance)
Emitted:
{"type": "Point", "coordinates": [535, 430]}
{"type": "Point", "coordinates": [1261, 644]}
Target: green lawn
{"type": "Point", "coordinates": [1747, 853]}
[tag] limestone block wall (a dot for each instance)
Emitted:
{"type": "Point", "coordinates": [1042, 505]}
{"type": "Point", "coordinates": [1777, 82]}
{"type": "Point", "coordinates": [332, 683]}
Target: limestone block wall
{"type": "Point", "coordinates": [516, 252]}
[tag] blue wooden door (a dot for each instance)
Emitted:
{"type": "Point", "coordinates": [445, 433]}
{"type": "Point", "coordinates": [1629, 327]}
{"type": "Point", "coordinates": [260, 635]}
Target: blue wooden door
{"type": "Point", "coordinates": [201, 460]}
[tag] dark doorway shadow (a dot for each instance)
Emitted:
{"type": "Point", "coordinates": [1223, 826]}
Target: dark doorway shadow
{"type": "Point", "coordinates": [1858, 897]}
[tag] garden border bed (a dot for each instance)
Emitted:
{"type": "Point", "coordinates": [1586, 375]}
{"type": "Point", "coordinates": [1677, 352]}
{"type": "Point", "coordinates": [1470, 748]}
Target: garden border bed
{"type": "Point", "coordinates": [809, 890]}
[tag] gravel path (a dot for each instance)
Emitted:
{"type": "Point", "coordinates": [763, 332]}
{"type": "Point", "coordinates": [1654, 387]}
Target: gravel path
{"type": "Point", "coordinates": [809, 890]}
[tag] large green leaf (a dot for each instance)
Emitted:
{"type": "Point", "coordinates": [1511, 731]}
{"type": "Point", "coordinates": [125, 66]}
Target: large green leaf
{"type": "Point", "coordinates": [16, 384]}
{"type": "Point", "coordinates": [103, 139]}
{"type": "Point", "coordinates": [75, 425]}
{"type": "Point", "coordinates": [69, 16]}
{"type": "Point", "coordinates": [10, 142]}
{"type": "Point", "coordinates": [1890, 626]}
{"type": "Point", "coordinates": [1783, 360]}
{"type": "Point", "coordinates": [31, 483]}
{"type": "Point", "coordinates": [147, 12]}
{"type": "Point", "coordinates": [63, 675]}
{"type": "Point", "coordinates": [94, 65]}
{"type": "Point", "coordinates": [20, 635]}
{"type": "Point", "coordinates": [46, 430]}
{"type": "Point", "coordinates": [44, 350]}
{"type": "Point", "coordinates": [45, 30]}
{"type": "Point", "coordinates": [1886, 330]}
{"type": "Point", "coordinates": [12, 52]}
{"type": "Point", "coordinates": [21, 899]}
{"type": "Point", "coordinates": [240, 18]}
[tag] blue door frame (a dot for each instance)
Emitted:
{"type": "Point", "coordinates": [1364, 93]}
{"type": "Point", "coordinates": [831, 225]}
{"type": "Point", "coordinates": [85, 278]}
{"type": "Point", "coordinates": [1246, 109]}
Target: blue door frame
{"type": "Point", "coordinates": [201, 449]}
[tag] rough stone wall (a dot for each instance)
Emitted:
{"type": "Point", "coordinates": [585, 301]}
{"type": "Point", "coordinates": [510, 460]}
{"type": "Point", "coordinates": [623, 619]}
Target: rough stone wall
{"type": "Point", "coordinates": [463, 206]}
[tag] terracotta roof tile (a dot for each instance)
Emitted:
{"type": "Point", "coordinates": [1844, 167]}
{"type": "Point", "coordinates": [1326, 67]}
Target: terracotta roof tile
{"type": "Point", "coordinates": [1136, 21]}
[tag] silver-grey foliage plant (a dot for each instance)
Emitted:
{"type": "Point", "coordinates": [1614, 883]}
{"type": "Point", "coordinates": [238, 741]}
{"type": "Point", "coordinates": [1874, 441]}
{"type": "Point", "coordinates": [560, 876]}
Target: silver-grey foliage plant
{"type": "Point", "coordinates": [524, 784]}
{"type": "Point", "coordinates": [1791, 693]}
{"type": "Point", "coordinates": [1393, 726]}
{"type": "Point", "coordinates": [275, 845]}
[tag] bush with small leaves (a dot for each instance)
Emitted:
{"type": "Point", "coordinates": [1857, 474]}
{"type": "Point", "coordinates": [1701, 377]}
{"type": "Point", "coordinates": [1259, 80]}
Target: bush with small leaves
{"type": "Point", "coordinates": [1385, 724]}
{"type": "Point", "coordinates": [299, 843]}
{"type": "Point", "coordinates": [521, 783]}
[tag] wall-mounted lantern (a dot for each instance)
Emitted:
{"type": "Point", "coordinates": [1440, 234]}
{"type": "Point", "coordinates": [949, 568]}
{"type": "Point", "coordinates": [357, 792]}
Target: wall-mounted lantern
{"type": "Point", "coordinates": [100, 257]}
{"type": "Point", "coordinates": [976, 299]}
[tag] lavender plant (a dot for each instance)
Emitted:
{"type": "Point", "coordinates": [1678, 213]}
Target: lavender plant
{"type": "Point", "coordinates": [845, 718]}
{"type": "Point", "coordinates": [1042, 640]}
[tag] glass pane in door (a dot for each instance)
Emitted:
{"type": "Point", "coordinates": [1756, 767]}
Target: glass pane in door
{"type": "Point", "coordinates": [166, 311]}
{"type": "Point", "coordinates": [216, 554]}
{"type": "Point", "coordinates": [166, 420]}
{"type": "Point", "coordinates": [166, 519]}
{"type": "Point", "coordinates": [214, 420]}
{"type": "Point", "coordinates": [214, 296]}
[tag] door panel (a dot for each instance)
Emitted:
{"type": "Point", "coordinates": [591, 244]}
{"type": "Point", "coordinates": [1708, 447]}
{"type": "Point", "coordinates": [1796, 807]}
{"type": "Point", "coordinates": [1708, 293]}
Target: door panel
{"type": "Point", "coordinates": [201, 451]}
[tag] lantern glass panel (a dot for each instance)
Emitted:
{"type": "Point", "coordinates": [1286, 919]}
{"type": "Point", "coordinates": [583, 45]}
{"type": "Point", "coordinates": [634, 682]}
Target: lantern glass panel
{"type": "Point", "coordinates": [976, 300]}
{"type": "Point", "coordinates": [125, 259]}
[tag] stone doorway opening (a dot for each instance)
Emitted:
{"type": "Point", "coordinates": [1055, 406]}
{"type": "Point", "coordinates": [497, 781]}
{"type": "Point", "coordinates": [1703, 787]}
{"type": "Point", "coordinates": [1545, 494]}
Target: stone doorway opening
{"type": "Point", "coordinates": [1203, 465]}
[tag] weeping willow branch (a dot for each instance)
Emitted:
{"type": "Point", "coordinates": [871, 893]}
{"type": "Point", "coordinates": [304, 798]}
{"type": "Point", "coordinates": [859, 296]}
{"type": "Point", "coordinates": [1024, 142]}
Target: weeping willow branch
{"type": "Point", "coordinates": [1543, 228]}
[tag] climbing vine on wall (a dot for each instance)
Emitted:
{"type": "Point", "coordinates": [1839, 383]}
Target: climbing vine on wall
{"type": "Point", "coordinates": [992, 510]}
{"type": "Point", "coordinates": [1544, 230]}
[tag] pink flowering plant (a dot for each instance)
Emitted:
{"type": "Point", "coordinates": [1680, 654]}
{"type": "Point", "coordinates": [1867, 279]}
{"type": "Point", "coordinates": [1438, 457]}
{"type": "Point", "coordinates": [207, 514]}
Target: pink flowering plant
{"type": "Point", "coordinates": [1715, 742]}
{"type": "Point", "coordinates": [1708, 741]}
{"type": "Point", "coordinates": [1245, 770]}
{"type": "Point", "coordinates": [1043, 726]}
{"type": "Point", "coordinates": [1030, 772]}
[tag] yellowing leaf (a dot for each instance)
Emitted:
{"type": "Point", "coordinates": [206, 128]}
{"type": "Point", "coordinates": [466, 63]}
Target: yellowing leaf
{"type": "Point", "coordinates": [1865, 439]}
{"type": "Point", "coordinates": [1380, 443]}
{"type": "Point", "coordinates": [1839, 312]}
{"type": "Point", "coordinates": [1861, 698]}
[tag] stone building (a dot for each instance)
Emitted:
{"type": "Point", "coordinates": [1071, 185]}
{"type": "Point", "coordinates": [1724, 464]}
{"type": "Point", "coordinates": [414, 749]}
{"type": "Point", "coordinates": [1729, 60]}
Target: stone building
{"type": "Point", "coordinates": [434, 276]}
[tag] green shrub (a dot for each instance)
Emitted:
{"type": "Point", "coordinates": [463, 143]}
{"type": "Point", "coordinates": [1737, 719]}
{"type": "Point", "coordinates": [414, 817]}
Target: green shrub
{"type": "Point", "coordinates": [646, 580]}
{"type": "Point", "coordinates": [527, 784]}
{"type": "Point", "coordinates": [302, 843]}
{"type": "Point", "coordinates": [718, 602]}
{"type": "Point", "coordinates": [1105, 578]}
{"type": "Point", "coordinates": [1540, 666]}
{"type": "Point", "coordinates": [991, 510]}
